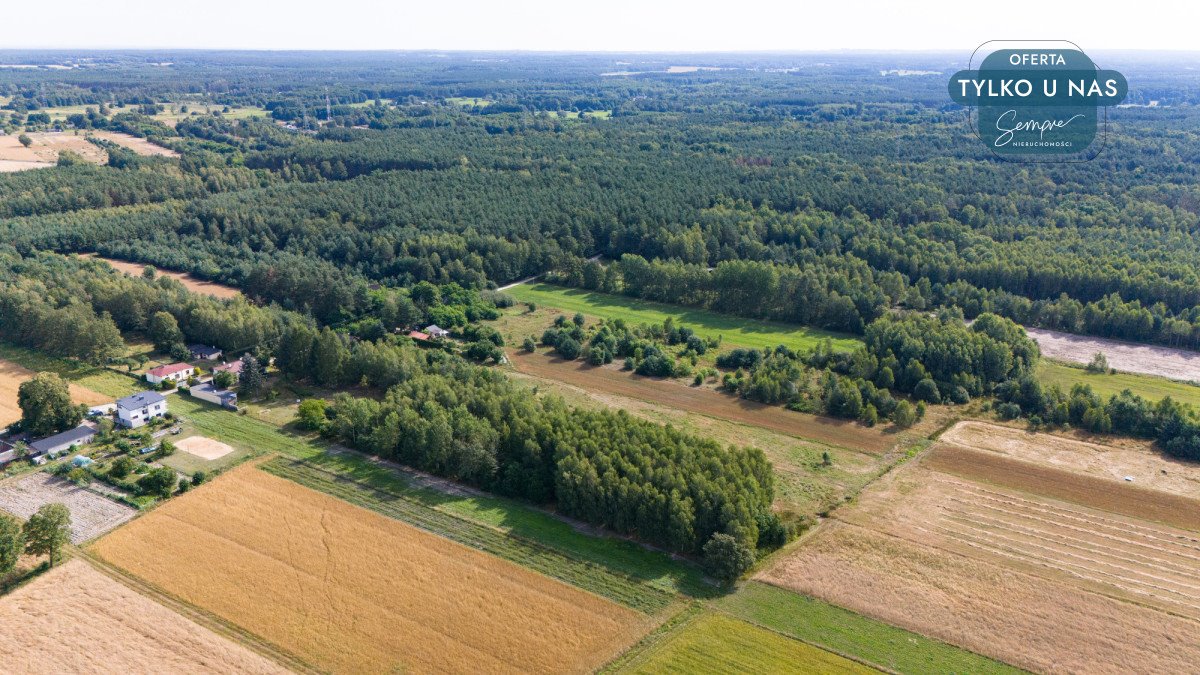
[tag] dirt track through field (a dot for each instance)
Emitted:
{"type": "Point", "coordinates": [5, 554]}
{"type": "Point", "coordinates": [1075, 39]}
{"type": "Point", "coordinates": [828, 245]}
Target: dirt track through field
{"type": "Point", "coordinates": [705, 401]}
{"type": "Point", "coordinates": [1099, 493]}
{"type": "Point", "coordinates": [74, 619]}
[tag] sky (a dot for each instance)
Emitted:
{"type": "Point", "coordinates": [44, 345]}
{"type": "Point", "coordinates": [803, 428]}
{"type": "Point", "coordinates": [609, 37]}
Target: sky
{"type": "Point", "coordinates": [598, 25]}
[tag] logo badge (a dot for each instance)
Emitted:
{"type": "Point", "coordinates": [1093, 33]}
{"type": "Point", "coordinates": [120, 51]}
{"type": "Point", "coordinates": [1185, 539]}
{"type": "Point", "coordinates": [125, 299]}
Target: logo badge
{"type": "Point", "coordinates": [1038, 102]}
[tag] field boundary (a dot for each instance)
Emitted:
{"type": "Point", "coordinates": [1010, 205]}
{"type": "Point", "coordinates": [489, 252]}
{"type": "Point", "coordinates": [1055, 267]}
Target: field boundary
{"type": "Point", "coordinates": [584, 575]}
{"type": "Point", "coordinates": [204, 618]}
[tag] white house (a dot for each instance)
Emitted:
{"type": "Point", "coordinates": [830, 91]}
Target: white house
{"type": "Point", "coordinates": [134, 411]}
{"type": "Point", "coordinates": [176, 372]}
{"type": "Point", "coordinates": [436, 331]}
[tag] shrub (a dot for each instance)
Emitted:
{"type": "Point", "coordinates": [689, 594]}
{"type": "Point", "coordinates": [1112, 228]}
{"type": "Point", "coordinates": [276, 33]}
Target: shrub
{"type": "Point", "coordinates": [568, 348]}
{"type": "Point", "coordinates": [312, 414]}
{"type": "Point", "coordinates": [529, 345]}
{"type": "Point", "coordinates": [904, 416]}
{"type": "Point", "coordinates": [122, 467]}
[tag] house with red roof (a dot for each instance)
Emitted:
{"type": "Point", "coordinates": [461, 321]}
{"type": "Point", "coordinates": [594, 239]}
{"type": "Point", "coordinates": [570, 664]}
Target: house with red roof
{"type": "Point", "coordinates": [175, 372]}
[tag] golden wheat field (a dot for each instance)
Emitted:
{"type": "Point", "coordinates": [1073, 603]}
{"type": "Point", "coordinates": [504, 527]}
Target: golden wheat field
{"type": "Point", "coordinates": [1039, 582]}
{"type": "Point", "coordinates": [348, 590]}
{"type": "Point", "coordinates": [76, 619]}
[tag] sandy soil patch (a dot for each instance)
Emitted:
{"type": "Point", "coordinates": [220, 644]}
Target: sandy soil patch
{"type": "Point", "coordinates": [191, 283]}
{"type": "Point", "coordinates": [75, 619]}
{"type": "Point", "coordinates": [11, 166]}
{"type": "Point", "coordinates": [350, 590]}
{"type": "Point", "coordinates": [706, 401]}
{"type": "Point", "coordinates": [1148, 466]}
{"type": "Point", "coordinates": [204, 448]}
{"type": "Point", "coordinates": [1130, 357]}
{"type": "Point", "coordinates": [91, 514]}
{"type": "Point", "coordinates": [11, 377]}
{"type": "Point", "coordinates": [47, 145]}
{"type": "Point", "coordinates": [1098, 493]}
{"type": "Point", "coordinates": [1031, 622]}
{"type": "Point", "coordinates": [139, 145]}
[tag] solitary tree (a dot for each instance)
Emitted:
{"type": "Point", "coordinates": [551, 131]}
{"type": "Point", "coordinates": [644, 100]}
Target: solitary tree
{"type": "Point", "coordinates": [1098, 364]}
{"type": "Point", "coordinates": [47, 531]}
{"type": "Point", "coordinates": [12, 543]}
{"type": "Point", "coordinates": [159, 482]}
{"type": "Point", "coordinates": [726, 558]}
{"type": "Point", "coordinates": [46, 406]}
{"type": "Point", "coordinates": [25, 140]}
{"type": "Point", "coordinates": [904, 416]}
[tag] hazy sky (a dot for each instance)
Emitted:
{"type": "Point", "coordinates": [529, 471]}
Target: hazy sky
{"type": "Point", "coordinates": [598, 25]}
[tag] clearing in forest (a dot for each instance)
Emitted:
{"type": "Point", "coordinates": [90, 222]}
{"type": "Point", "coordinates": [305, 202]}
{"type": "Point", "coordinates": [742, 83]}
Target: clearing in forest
{"type": "Point", "coordinates": [189, 282]}
{"type": "Point", "coordinates": [1130, 357]}
{"type": "Point", "coordinates": [349, 590]}
{"type": "Point", "coordinates": [140, 146]}
{"type": "Point", "coordinates": [733, 331]}
{"type": "Point", "coordinates": [44, 149]}
{"type": "Point", "coordinates": [13, 374]}
{"type": "Point", "coordinates": [75, 619]}
{"type": "Point", "coordinates": [1006, 562]}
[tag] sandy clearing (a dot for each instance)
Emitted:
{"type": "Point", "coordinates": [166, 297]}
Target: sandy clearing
{"type": "Point", "coordinates": [77, 619]}
{"type": "Point", "coordinates": [1148, 466]}
{"type": "Point", "coordinates": [46, 146]}
{"type": "Point", "coordinates": [91, 514]}
{"type": "Point", "coordinates": [204, 448]}
{"type": "Point", "coordinates": [705, 402]}
{"type": "Point", "coordinates": [1034, 623]}
{"type": "Point", "coordinates": [191, 283]}
{"type": "Point", "coordinates": [1130, 357]}
{"type": "Point", "coordinates": [12, 166]}
{"type": "Point", "coordinates": [13, 374]}
{"type": "Point", "coordinates": [350, 590]}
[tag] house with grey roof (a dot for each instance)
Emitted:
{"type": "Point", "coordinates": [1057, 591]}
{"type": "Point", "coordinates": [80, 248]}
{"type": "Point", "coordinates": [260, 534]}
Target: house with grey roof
{"type": "Point", "coordinates": [52, 446]}
{"type": "Point", "coordinates": [134, 411]}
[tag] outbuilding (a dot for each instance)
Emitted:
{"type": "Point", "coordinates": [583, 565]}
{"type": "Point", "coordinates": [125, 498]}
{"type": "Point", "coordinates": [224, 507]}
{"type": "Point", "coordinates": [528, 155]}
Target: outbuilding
{"type": "Point", "coordinates": [52, 446]}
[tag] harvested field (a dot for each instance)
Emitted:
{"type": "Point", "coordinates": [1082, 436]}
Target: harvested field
{"type": "Point", "coordinates": [1097, 493]}
{"type": "Point", "coordinates": [11, 166]}
{"type": "Point", "coordinates": [91, 514]}
{"type": "Point", "coordinates": [1035, 623]}
{"type": "Point", "coordinates": [204, 448]}
{"type": "Point", "coordinates": [66, 610]}
{"type": "Point", "coordinates": [705, 402]}
{"type": "Point", "coordinates": [1147, 465]}
{"type": "Point", "coordinates": [1131, 357]}
{"type": "Point", "coordinates": [191, 283]}
{"type": "Point", "coordinates": [11, 377]}
{"type": "Point", "coordinates": [1038, 567]}
{"type": "Point", "coordinates": [715, 643]}
{"type": "Point", "coordinates": [139, 145]}
{"type": "Point", "coordinates": [349, 590]}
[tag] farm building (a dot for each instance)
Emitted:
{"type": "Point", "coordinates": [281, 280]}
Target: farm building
{"type": "Point", "coordinates": [52, 446]}
{"type": "Point", "coordinates": [418, 335]}
{"type": "Point", "coordinates": [134, 411]}
{"type": "Point", "coordinates": [435, 331]}
{"type": "Point", "coordinates": [234, 367]}
{"type": "Point", "coordinates": [205, 352]}
{"type": "Point", "coordinates": [175, 372]}
{"type": "Point", "coordinates": [221, 397]}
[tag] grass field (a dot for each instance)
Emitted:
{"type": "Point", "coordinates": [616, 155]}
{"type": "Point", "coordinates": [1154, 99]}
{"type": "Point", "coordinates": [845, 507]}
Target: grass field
{"type": "Point", "coordinates": [656, 570]}
{"type": "Point", "coordinates": [733, 331]}
{"type": "Point", "coordinates": [853, 634]}
{"type": "Point", "coordinates": [138, 634]}
{"type": "Point", "coordinates": [468, 101]}
{"type": "Point", "coordinates": [99, 380]}
{"type": "Point", "coordinates": [349, 590]}
{"type": "Point", "coordinates": [715, 643]}
{"type": "Point", "coordinates": [1148, 386]}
